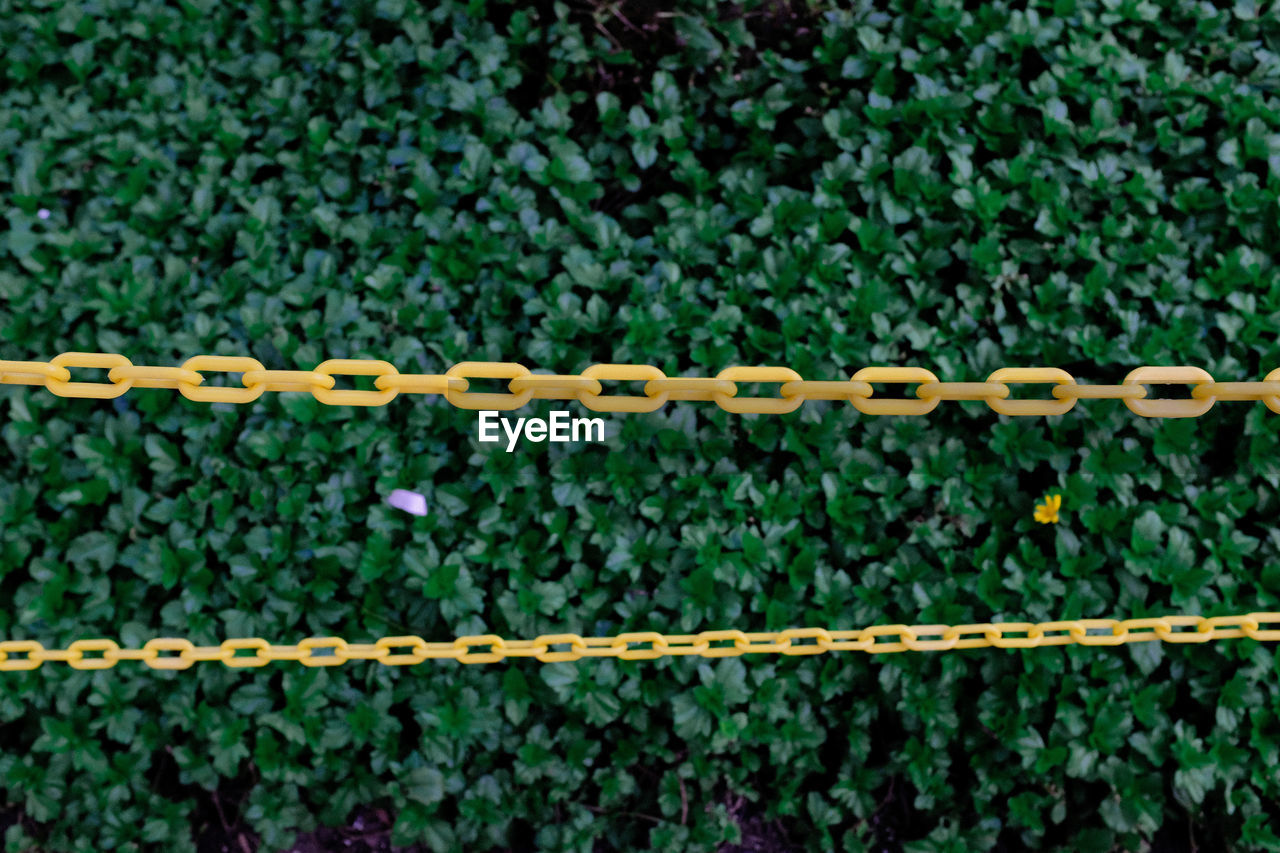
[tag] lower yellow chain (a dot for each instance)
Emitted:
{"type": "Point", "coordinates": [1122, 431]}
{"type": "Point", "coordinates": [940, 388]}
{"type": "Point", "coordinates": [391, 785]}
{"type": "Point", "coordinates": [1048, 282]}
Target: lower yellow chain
{"type": "Point", "coordinates": [176, 653]}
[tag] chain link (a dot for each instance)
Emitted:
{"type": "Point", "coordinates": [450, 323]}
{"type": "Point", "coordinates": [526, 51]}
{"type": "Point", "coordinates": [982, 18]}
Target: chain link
{"type": "Point", "coordinates": [176, 653]}
{"type": "Point", "coordinates": [659, 389]}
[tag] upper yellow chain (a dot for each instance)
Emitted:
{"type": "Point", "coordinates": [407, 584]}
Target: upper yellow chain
{"type": "Point", "coordinates": [335, 651]}
{"type": "Point", "coordinates": [658, 390]}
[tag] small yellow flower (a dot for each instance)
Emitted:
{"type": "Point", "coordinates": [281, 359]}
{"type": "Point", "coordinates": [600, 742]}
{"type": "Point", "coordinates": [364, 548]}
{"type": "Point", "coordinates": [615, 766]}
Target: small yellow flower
{"type": "Point", "coordinates": [1047, 513]}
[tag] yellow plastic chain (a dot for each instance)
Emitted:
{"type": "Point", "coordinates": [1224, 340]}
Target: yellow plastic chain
{"type": "Point", "coordinates": [586, 388]}
{"type": "Point", "coordinates": [402, 651]}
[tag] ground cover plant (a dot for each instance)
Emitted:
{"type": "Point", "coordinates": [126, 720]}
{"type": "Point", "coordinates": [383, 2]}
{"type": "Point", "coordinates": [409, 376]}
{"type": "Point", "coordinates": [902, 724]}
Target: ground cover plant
{"type": "Point", "coordinates": [959, 186]}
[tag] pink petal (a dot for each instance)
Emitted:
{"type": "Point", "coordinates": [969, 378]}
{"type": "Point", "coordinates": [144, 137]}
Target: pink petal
{"type": "Point", "coordinates": [410, 502]}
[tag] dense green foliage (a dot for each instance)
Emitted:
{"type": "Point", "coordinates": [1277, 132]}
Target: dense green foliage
{"type": "Point", "coordinates": [1079, 184]}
